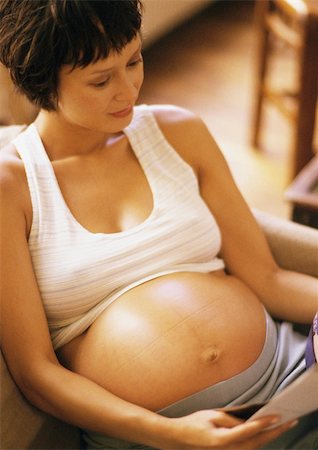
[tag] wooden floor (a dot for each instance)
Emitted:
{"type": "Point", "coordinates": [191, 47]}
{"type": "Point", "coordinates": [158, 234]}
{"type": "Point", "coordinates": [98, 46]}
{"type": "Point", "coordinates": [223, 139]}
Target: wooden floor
{"type": "Point", "coordinates": [207, 65]}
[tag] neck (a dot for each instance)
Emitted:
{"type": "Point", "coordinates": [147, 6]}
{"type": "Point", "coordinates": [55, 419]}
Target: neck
{"type": "Point", "coordinates": [63, 139]}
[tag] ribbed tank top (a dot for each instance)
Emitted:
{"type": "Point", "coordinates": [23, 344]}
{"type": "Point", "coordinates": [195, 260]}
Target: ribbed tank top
{"type": "Point", "coordinates": [80, 273]}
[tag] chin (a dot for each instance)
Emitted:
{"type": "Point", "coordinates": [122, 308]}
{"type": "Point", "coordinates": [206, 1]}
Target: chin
{"type": "Point", "coordinates": [118, 124]}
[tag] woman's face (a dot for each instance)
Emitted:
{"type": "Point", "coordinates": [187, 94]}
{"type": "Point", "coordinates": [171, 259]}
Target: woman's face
{"type": "Point", "coordinates": [101, 96]}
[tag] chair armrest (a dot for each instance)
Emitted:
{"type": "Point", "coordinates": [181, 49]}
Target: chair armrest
{"type": "Point", "coordinates": [294, 246]}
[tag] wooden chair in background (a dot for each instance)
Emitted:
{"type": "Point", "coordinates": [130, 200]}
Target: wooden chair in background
{"type": "Point", "coordinates": [295, 24]}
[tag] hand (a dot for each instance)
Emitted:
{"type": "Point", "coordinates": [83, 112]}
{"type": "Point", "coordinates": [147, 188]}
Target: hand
{"type": "Point", "coordinates": [212, 429]}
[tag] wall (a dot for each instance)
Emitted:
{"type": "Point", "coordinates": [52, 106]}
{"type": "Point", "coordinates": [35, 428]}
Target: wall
{"type": "Point", "coordinates": [161, 16]}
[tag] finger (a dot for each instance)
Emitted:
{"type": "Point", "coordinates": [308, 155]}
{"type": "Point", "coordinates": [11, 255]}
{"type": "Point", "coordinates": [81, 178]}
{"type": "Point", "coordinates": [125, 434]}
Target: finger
{"type": "Point", "coordinates": [272, 434]}
{"type": "Point", "coordinates": [254, 432]}
{"type": "Point", "coordinates": [222, 419]}
{"type": "Point", "coordinates": [246, 430]}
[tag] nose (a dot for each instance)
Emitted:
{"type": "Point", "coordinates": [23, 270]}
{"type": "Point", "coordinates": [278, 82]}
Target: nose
{"type": "Point", "coordinates": [127, 89]}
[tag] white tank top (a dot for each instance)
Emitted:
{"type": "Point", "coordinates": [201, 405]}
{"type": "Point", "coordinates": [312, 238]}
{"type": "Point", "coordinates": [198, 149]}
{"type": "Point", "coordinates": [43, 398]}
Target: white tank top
{"type": "Point", "coordinates": [79, 272]}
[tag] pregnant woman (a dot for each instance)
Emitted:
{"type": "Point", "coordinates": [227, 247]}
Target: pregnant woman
{"type": "Point", "coordinates": [137, 290]}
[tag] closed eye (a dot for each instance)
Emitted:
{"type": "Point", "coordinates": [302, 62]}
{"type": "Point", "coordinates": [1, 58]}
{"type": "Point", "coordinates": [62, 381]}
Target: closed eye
{"type": "Point", "coordinates": [103, 83]}
{"type": "Point", "coordinates": [100, 84]}
{"type": "Point", "coordinates": [135, 62]}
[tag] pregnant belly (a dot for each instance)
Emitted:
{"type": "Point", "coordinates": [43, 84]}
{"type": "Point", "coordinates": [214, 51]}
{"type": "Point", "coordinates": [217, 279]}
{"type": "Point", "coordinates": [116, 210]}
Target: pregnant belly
{"type": "Point", "coordinates": [171, 337]}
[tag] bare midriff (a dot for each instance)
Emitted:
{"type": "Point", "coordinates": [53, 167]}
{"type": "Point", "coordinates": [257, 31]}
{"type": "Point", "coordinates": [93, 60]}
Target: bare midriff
{"type": "Point", "coordinates": [171, 337]}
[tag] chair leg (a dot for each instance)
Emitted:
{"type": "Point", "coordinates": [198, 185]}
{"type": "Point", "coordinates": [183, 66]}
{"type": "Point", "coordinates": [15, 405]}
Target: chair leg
{"type": "Point", "coordinates": [307, 101]}
{"type": "Point", "coordinates": [261, 9]}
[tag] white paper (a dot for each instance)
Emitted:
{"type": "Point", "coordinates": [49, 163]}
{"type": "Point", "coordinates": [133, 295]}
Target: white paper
{"type": "Point", "coordinates": [298, 399]}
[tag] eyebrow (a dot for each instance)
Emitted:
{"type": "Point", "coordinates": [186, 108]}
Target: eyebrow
{"type": "Point", "coordinates": [102, 71]}
{"type": "Point", "coordinates": [96, 72]}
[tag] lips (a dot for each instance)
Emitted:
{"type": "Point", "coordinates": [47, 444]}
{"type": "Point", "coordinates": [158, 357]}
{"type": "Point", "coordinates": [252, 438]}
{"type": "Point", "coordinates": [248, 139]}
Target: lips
{"type": "Point", "coordinates": [122, 113]}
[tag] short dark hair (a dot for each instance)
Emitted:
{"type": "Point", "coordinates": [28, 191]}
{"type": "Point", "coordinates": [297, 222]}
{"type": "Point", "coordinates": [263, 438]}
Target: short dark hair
{"type": "Point", "coordinates": [37, 37]}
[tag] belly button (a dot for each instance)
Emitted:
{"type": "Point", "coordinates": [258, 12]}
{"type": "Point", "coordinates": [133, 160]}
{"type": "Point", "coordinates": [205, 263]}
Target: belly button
{"type": "Point", "coordinates": [210, 355]}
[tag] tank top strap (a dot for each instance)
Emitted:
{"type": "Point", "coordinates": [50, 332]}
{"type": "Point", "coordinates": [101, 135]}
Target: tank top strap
{"type": "Point", "coordinates": [40, 177]}
{"type": "Point", "coordinates": [30, 147]}
{"type": "Point", "coordinates": [145, 137]}
{"type": "Point", "coordinates": [155, 153]}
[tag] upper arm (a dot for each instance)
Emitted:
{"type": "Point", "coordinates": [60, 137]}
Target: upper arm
{"type": "Point", "coordinates": [25, 338]}
{"type": "Point", "coordinates": [244, 247]}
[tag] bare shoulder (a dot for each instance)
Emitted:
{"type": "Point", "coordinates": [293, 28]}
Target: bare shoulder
{"type": "Point", "coordinates": [11, 168]}
{"type": "Point", "coordinates": [175, 118]}
{"type": "Point", "coordinates": [172, 113]}
{"type": "Point", "coordinates": [13, 184]}
{"type": "Point", "coordinates": [186, 132]}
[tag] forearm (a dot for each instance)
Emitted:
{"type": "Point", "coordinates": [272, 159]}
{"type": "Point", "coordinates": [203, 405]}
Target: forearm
{"type": "Point", "coordinates": [290, 295]}
{"type": "Point", "coordinates": [81, 402]}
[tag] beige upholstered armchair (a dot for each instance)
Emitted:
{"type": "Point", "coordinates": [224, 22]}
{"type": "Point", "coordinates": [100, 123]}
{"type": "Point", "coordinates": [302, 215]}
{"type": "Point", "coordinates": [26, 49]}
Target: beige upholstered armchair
{"type": "Point", "coordinates": [23, 427]}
